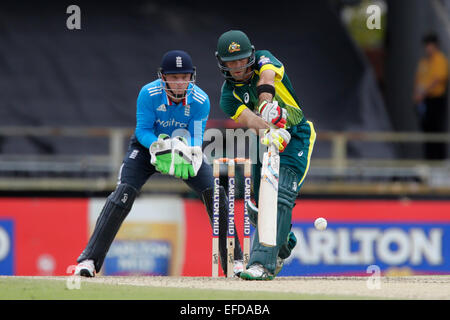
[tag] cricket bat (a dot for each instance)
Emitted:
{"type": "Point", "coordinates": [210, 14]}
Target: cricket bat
{"type": "Point", "coordinates": [268, 197]}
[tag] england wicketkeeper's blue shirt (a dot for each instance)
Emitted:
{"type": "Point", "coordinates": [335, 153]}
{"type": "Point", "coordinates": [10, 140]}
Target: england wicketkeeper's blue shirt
{"type": "Point", "coordinates": [157, 114]}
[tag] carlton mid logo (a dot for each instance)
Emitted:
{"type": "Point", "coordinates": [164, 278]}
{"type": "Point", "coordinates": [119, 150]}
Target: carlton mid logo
{"type": "Point", "coordinates": [370, 245]}
{"type": "Point", "coordinates": [233, 47]}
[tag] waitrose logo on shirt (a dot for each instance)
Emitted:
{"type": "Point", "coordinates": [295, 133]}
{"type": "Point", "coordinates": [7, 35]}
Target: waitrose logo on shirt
{"type": "Point", "coordinates": [171, 123]}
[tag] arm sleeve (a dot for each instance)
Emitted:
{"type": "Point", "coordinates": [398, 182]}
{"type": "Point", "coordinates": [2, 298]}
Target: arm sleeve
{"type": "Point", "coordinates": [266, 61]}
{"type": "Point", "coordinates": [145, 119]}
{"type": "Point", "coordinates": [197, 124]}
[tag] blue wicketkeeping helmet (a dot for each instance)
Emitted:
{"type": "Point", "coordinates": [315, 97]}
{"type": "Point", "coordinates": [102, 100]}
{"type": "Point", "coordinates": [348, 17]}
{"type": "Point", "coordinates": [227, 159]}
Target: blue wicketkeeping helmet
{"type": "Point", "coordinates": [175, 62]}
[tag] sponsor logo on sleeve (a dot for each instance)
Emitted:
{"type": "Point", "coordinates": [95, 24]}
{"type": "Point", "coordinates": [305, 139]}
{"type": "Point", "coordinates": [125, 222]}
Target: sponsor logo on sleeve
{"type": "Point", "coordinates": [263, 60]}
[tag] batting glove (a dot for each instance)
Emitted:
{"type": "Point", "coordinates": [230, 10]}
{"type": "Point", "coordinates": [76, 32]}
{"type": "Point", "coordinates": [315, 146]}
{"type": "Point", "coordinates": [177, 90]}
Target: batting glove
{"type": "Point", "coordinates": [278, 137]}
{"type": "Point", "coordinates": [273, 113]}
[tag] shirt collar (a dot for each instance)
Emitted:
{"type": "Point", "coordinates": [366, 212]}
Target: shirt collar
{"type": "Point", "coordinates": [241, 84]}
{"type": "Point", "coordinates": [169, 102]}
{"type": "Point", "coordinates": [184, 102]}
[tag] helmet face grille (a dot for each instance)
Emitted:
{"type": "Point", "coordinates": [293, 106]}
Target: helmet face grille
{"type": "Point", "coordinates": [177, 62]}
{"type": "Point", "coordinates": [165, 85]}
{"type": "Point", "coordinates": [235, 45]}
{"type": "Point", "coordinates": [226, 70]}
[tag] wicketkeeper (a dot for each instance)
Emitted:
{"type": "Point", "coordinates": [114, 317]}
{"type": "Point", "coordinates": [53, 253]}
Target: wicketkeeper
{"type": "Point", "coordinates": [258, 94]}
{"type": "Point", "coordinates": [171, 116]}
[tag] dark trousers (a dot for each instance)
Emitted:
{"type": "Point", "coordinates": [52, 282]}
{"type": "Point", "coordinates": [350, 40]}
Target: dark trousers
{"type": "Point", "coordinates": [136, 169]}
{"type": "Point", "coordinates": [434, 120]}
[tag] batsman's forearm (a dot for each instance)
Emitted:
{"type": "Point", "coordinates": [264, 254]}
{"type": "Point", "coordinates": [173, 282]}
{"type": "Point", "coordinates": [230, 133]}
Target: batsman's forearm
{"type": "Point", "coordinates": [265, 97]}
{"type": "Point", "coordinates": [266, 77]}
{"type": "Point", "coordinates": [258, 123]}
{"type": "Point", "coordinates": [250, 120]}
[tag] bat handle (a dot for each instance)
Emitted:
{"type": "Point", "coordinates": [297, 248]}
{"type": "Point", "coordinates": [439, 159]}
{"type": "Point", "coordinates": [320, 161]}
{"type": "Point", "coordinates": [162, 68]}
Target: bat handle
{"type": "Point", "coordinates": [272, 148]}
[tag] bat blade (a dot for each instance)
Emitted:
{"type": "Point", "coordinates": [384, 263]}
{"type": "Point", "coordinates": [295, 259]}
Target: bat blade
{"type": "Point", "coordinates": [268, 198]}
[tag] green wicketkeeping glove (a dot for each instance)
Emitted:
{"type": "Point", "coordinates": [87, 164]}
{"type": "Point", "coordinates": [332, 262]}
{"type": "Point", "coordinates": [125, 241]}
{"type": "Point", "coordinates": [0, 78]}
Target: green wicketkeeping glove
{"type": "Point", "coordinates": [161, 153]}
{"type": "Point", "coordinates": [175, 157]}
{"type": "Point", "coordinates": [186, 160]}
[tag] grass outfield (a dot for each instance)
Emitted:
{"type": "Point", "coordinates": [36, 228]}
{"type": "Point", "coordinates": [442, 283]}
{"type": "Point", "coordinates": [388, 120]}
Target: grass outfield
{"type": "Point", "coordinates": [38, 289]}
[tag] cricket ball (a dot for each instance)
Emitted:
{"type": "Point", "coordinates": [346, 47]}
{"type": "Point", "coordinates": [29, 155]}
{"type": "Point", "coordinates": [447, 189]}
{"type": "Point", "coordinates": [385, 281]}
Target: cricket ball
{"type": "Point", "coordinates": [320, 224]}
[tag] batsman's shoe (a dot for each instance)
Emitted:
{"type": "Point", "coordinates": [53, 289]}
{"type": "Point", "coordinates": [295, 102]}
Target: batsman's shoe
{"type": "Point", "coordinates": [256, 272]}
{"type": "Point", "coordinates": [238, 267]}
{"type": "Point", "coordinates": [85, 268]}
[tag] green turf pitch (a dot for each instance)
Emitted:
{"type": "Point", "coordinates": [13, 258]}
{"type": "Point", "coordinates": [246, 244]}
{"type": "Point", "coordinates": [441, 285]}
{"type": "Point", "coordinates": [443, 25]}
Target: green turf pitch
{"type": "Point", "coordinates": [38, 289]}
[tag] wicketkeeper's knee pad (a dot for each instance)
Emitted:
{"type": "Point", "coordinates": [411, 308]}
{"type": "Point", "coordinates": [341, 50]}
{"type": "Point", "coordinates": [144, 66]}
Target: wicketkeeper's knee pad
{"type": "Point", "coordinates": [124, 196]}
{"type": "Point", "coordinates": [114, 212]}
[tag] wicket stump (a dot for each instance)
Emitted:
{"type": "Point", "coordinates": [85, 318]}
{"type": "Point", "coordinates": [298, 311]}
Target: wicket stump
{"type": "Point", "coordinates": [231, 218]}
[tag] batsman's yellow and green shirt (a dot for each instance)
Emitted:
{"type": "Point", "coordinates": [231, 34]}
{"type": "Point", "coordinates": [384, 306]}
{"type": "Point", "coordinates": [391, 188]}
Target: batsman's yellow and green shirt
{"type": "Point", "coordinates": [237, 97]}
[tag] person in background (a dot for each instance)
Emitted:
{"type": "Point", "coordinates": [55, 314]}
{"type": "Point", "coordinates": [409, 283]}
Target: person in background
{"type": "Point", "coordinates": [430, 95]}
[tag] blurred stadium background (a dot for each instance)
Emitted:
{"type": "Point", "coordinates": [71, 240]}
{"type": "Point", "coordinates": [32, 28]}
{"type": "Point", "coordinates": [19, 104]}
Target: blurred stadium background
{"type": "Point", "coordinates": [67, 109]}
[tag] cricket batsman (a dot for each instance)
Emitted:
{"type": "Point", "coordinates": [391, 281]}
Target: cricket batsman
{"type": "Point", "coordinates": [171, 116]}
{"type": "Point", "coordinates": [258, 94]}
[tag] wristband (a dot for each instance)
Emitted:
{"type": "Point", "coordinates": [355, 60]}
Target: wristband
{"type": "Point", "coordinates": [265, 88]}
